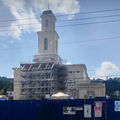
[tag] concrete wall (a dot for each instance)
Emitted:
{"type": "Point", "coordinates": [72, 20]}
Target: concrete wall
{"type": "Point", "coordinates": [91, 89]}
{"type": "Point", "coordinates": [77, 73]}
{"type": "Point", "coordinates": [79, 85]}
{"type": "Point", "coordinates": [17, 84]}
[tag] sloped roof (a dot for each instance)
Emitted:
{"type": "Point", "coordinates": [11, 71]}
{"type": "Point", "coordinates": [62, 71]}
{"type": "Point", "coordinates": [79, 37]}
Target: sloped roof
{"type": "Point", "coordinates": [47, 12]}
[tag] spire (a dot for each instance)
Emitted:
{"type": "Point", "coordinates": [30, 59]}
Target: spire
{"type": "Point", "coordinates": [48, 6]}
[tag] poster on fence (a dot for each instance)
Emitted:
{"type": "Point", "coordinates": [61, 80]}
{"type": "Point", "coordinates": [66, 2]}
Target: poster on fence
{"type": "Point", "coordinates": [69, 110]}
{"type": "Point", "coordinates": [78, 108]}
{"type": "Point", "coordinates": [117, 106]}
{"type": "Point", "coordinates": [87, 111]}
{"type": "Point", "coordinates": [98, 109]}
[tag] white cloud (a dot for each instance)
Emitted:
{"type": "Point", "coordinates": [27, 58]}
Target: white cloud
{"type": "Point", "coordinates": [68, 63]}
{"type": "Point", "coordinates": [107, 69]}
{"type": "Point", "coordinates": [20, 9]}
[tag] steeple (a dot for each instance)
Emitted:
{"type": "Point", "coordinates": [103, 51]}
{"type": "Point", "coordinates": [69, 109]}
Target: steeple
{"type": "Point", "coordinates": [48, 39]}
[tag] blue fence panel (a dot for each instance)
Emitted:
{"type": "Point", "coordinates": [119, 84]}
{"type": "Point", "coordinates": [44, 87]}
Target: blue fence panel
{"type": "Point", "coordinates": [53, 109]}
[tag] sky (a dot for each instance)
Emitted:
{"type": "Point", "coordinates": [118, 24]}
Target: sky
{"type": "Point", "coordinates": [85, 37]}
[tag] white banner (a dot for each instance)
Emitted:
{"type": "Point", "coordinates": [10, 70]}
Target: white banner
{"type": "Point", "coordinates": [87, 111]}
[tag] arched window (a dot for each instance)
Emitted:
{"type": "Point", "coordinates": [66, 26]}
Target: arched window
{"type": "Point", "coordinates": [45, 44]}
{"type": "Point", "coordinates": [46, 23]}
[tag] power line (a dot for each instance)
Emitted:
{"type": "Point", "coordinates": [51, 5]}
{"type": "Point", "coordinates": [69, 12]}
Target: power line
{"type": "Point", "coordinates": [67, 20]}
{"type": "Point", "coordinates": [99, 11]}
{"type": "Point", "coordinates": [70, 25]}
{"type": "Point", "coordinates": [74, 42]}
{"type": "Point", "coordinates": [107, 16]}
{"type": "Point", "coordinates": [78, 24]}
{"type": "Point", "coordinates": [22, 24]}
{"type": "Point", "coordinates": [85, 41]}
{"type": "Point", "coordinates": [107, 76]}
{"type": "Point", "coordinates": [98, 77]}
{"type": "Point", "coordinates": [10, 20]}
{"type": "Point", "coordinates": [4, 49]}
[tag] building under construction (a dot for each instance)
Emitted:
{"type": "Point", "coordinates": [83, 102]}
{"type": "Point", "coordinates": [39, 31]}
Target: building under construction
{"type": "Point", "coordinates": [47, 75]}
{"type": "Point", "coordinates": [40, 80]}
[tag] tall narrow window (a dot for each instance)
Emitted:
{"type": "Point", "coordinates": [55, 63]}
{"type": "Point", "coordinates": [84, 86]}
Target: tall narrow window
{"type": "Point", "coordinates": [45, 44]}
{"type": "Point", "coordinates": [46, 23]}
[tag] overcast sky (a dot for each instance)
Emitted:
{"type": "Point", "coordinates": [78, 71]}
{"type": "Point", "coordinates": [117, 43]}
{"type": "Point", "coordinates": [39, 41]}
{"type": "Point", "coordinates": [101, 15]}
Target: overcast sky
{"type": "Point", "coordinates": [95, 44]}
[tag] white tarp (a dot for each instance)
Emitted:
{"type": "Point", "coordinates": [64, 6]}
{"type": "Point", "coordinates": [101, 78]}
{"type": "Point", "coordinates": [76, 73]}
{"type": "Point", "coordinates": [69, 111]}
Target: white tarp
{"type": "Point", "coordinates": [87, 111]}
{"type": "Point", "coordinates": [60, 95]}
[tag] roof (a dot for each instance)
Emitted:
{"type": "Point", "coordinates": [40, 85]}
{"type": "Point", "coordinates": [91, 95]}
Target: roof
{"type": "Point", "coordinates": [46, 12]}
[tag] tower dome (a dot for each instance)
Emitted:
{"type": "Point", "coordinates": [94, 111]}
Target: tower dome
{"type": "Point", "coordinates": [46, 12]}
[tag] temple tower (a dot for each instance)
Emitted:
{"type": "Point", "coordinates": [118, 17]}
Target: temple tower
{"type": "Point", "coordinates": [48, 40]}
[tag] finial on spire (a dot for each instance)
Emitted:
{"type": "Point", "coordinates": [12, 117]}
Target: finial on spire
{"type": "Point", "coordinates": [48, 5]}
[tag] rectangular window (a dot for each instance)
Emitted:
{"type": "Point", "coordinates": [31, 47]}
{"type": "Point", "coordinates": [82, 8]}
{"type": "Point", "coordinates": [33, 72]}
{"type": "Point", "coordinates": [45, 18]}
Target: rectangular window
{"type": "Point", "coordinates": [45, 44]}
{"type": "Point", "coordinates": [46, 23]}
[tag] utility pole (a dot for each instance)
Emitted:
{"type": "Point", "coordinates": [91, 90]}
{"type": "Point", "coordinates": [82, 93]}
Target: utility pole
{"type": "Point", "coordinates": [74, 85]}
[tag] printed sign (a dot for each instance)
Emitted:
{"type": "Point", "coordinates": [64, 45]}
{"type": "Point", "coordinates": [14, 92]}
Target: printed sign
{"type": "Point", "coordinates": [69, 111]}
{"type": "Point", "coordinates": [117, 106]}
{"type": "Point", "coordinates": [87, 111]}
{"type": "Point", "coordinates": [78, 108]}
{"type": "Point", "coordinates": [98, 109]}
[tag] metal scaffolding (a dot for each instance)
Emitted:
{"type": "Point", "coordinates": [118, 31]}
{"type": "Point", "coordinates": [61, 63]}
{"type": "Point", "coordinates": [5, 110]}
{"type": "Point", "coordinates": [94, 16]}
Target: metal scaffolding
{"type": "Point", "coordinates": [40, 79]}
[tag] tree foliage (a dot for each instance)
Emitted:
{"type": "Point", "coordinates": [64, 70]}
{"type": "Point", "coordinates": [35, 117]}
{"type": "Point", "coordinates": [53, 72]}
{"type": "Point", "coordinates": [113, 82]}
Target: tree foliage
{"type": "Point", "coordinates": [6, 84]}
{"type": "Point", "coordinates": [112, 85]}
